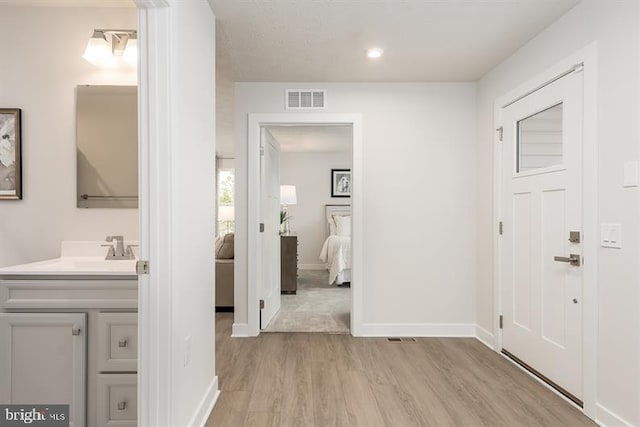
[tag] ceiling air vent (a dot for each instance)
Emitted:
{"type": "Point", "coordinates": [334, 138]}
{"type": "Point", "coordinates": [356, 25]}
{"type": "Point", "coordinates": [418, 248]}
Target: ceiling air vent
{"type": "Point", "coordinates": [310, 99]}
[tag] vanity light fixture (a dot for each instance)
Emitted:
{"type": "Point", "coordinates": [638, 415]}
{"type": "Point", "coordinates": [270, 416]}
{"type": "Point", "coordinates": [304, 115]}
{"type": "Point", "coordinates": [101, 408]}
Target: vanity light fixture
{"type": "Point", "coordinates": [374, 53]}
{"type": "Point", "coordinates": [106, 47]}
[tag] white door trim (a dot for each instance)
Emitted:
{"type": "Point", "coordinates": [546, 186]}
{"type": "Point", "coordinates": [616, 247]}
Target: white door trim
{"type": "Point", "coordinates": [587, 56]}
{"type": "Point", "coordinates": [256, 121]}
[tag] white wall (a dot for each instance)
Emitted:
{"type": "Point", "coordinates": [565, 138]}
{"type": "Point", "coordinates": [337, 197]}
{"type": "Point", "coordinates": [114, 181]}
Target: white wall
{"type": "Point", "coordinates": [419, 204]}
{"type": "Point", "coordinates": [614, 25]}
{"type": "Point", "coordinates": [192, 230]}
{"type": "Point", "coordinates": [225, 143]}
{"type": "Point", "coordinates": [311, 174]}
{"type": "Point", "coordinates": [41, 68]}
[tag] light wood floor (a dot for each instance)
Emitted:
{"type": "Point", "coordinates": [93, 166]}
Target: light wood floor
{"type": "Point", "coordinates": [298, 379]}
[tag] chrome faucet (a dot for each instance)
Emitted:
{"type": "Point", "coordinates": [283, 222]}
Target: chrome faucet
{"type": "Point", "coordinates": [119, 251]}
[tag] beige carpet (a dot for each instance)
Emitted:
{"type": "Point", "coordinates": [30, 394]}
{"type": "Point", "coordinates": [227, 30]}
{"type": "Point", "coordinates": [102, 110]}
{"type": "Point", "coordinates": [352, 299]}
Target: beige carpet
{"type": "Point", "coordinates": [317, 307]}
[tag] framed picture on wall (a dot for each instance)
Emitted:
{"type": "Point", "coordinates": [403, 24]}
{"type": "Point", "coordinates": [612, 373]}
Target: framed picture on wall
{"type": "Point", "coordinates": [10, 161]}
{"type": "Point", "coordinates": [340, 182]}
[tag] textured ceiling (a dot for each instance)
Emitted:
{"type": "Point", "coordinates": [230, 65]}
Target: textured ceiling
{"type": "Point", "coordinates": [423, 40]}
{"type": "Point", "coordinates": [69, 3]}
{"type": "Point", "coordinates": [316, 139]}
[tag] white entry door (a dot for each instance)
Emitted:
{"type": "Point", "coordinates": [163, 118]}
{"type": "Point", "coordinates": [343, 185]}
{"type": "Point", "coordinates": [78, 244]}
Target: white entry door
{"type": "Point", "coordinates": [270, 217]}
{"type": "Point", "coordinates": [541, 210]}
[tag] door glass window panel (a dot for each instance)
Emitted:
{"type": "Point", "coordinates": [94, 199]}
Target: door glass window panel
{"type": "Point", "coordinates": [539, 141]}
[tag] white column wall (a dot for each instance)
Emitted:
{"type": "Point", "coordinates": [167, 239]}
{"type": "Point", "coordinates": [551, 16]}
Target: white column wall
{"type": "Point", "coordinates": [177, 96]}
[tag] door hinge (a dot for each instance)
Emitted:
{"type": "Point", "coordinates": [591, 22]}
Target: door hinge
{"type": "Point", "coordinates": [142, 267]}
{"type": "Point", "coordinates": [501, 318]}
{"type": "Point", "coordinates": [262, 227]}
{"type": "Point", "coordinates": [261, 304]}
{"type": "Point", "coordinates": [500, 131]}
{"type": "Point", "coordinates": [75, 331]}
{"type": "Point", "coordinates": [500, 228]}
{"type": "Point", "coordinates": [262, 151]}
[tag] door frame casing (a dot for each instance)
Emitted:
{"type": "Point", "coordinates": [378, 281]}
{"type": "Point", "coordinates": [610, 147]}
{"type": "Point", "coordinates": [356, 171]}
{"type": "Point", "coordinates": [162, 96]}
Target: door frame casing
{"type": "Point", "coordinates": [588, 57]}
{"type": "Point", "coordinates": [255, 123]}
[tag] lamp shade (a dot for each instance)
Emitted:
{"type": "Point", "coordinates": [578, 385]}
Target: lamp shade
{"type": "Point", "coordinates": [98, 51]}
{"type": "Point", "coordinates": [288, 195]}
{"type": "Point", "coordinates": [226, 213]}
{"type": "Point", "coordinates": [130, 54]}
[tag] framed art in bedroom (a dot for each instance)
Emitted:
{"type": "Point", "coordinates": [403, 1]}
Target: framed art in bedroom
{"type": "Point", "coordinates": [10, 162]}
{"type": "Point", "coordinates": [340, 182]}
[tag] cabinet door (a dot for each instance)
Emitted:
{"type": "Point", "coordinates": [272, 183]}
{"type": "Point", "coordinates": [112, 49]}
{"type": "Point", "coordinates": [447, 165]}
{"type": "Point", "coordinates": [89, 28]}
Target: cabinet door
{"type": "Point", "coordinates": [42, 360]}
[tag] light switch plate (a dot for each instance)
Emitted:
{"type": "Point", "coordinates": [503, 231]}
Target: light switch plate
{"type": "Point", "coordinates": [631, 177]}
{"type": "Point", "coordinates": [611, 236]}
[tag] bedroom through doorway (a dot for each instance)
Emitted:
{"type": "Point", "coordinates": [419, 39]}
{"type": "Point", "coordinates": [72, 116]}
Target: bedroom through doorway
{"type": "Point", "coordinates": [315, 227]}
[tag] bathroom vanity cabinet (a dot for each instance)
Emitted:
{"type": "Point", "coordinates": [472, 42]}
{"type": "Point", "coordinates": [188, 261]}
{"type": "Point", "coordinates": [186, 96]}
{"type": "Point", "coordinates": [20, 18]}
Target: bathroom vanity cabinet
{"type": "Point", "coordinates": [71, 340]}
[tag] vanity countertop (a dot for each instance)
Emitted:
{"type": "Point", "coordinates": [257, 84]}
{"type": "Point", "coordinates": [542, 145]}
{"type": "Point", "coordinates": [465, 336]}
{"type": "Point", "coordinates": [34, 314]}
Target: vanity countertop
{"type": "Point", "coordinates": [81, 266]}
{"type": "Point", "coordinates": [76, 259]}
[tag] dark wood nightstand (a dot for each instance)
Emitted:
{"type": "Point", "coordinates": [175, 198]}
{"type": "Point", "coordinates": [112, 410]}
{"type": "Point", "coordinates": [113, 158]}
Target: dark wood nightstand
{"type": "Point", "coordinates": [288, 263]}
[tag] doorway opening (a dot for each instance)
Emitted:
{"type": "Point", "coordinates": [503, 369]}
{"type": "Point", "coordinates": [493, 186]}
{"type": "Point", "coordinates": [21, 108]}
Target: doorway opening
{"type": "Point", "coordinates": [314, 227]}
{"type": "Point", "coordinates": [265, 212]}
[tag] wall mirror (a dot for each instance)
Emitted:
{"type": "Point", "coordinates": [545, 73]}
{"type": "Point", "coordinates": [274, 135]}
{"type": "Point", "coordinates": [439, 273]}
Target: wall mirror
{"type": "Point", "coordinates": [107, 146]}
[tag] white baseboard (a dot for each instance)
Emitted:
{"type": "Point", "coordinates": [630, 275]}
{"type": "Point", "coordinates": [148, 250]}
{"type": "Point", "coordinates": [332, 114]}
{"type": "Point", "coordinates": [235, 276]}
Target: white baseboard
{"type": "Point", "coordinates": [240, 330]}
{"type": "Point", "coordinates": [312, 267]}
{"type": "Point", "coordinates": [486, 337]}
{"type": "Point", "coordinates": [606, 418]}
{"type": "Point", "coordinates": [417, 330]}
{"type": "Point", "coordinates": [206, 405]}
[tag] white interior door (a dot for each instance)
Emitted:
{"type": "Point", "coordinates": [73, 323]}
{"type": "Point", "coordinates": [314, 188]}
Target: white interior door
{"type": "Point", "coordinates": [541, 205]}
{"type": "Point", "coordinates": [270, 217]}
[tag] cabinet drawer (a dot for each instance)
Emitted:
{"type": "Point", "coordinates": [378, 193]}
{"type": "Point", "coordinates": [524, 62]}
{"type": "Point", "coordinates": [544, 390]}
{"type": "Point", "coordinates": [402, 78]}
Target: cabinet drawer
{"type": "Point", "coordinates": [117, 400]}
{"type": "Point", "coordinates": [117, 342]}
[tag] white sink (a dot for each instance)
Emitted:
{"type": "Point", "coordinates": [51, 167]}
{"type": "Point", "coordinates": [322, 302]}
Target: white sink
{"type": "Point", "coordinates": [77, 258]}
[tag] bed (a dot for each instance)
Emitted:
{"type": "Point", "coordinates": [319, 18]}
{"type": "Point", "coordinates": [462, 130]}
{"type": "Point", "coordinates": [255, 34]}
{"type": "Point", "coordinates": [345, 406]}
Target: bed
{"type": "Point", "coordinates": [336, 251]}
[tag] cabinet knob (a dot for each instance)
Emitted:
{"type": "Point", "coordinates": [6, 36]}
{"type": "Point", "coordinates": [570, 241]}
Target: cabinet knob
{"type": "Point", "coordinates": [122, 342]}
{"type": "Point", "coordinates": [122, 406]}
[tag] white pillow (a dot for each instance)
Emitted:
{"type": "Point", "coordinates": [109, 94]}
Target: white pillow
{"type": "Point", "coordinates": [343, 225]}
{"type": "Point", "coordinates": [332, 226]}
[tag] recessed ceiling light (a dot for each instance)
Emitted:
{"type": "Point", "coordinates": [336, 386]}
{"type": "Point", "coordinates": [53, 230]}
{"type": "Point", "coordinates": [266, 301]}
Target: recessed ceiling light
{"type": "Point", "coordinates": [374, 52]}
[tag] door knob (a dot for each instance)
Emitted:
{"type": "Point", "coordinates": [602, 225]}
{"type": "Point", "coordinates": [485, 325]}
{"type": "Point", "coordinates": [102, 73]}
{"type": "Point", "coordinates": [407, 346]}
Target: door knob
{"type": "Point", "coordinates": [573, 259]}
